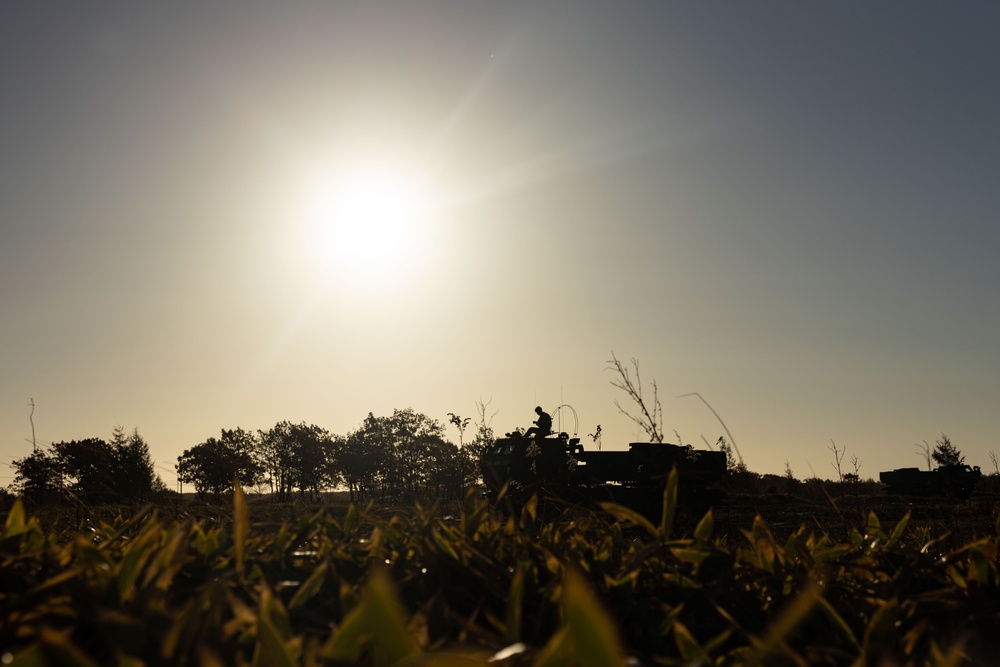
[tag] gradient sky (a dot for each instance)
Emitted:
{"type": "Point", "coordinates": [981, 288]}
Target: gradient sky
{"type": "Point", "coordinates": [790, 208]}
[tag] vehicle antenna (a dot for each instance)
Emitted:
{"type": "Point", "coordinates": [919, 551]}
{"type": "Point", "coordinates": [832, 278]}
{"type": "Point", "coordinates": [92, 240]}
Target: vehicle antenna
{"type": "Point", "coordinates": [561, 401]}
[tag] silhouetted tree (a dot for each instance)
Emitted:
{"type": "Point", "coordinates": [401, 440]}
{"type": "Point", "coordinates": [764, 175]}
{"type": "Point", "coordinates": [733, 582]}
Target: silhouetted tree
{"type": "Point", "coordinates": [37, 477]}
{"type": "Point", "coordinates": [313, 458]}
{"type": "Point", "coordinates": [93, 469]}
{"type": "Point", "coordinates": [276, 453]}
{"type": "Point", "coordinates": [88, 467]}
{"type": "Point", "coordinates": [945, 453]}
{"type": "Point", "coordinates": [732, 465]}
{"type": "Point", "coordinates": [134, 475]}
{"type": "Point", "coordinates": [403, 455]}
{"type": "Point", "coordinates": [245, 450]}
{"type": "Point", "coordinates": [445, 469]}
{"type": "Point", "coordinates": [299, 456]}
{"type": "Point", "coordinates": [413, 436]}
{"type": "Point", "coordinates": [363, 455]}
{"type": "Point", "coordinates": [483, 438]}
{"type": "Point", "coordinates": [212, 466]}
{"type": "Point", "coordinates": [461, 423]}
{"type": "Point", "coordinates": [208, 466]}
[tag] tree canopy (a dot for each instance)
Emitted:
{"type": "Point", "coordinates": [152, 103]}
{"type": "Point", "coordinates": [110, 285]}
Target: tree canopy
{"type": "Point", "coordinates": [211, 466]}
{"type": "Point", "coordinates": [92, 469]}
{"type": "Point", "coordinates": [945, 453]}
{"type": "Point", "coordinates": [404, 456]}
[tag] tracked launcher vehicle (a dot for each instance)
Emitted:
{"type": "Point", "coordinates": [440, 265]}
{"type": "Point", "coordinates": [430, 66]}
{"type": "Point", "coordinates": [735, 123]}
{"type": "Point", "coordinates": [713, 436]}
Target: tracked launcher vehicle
{"type": "Point", "coordinates": [558, 467]}
{"type": "Point", "coordinates": [956, 481]}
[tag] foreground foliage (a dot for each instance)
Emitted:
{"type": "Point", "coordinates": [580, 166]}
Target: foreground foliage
{"type": "Point", "coordinates": [579, 588]}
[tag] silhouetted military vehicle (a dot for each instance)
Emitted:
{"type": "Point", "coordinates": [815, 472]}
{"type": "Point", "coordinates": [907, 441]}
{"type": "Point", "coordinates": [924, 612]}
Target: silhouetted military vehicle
{"type": "Point", "coordinates": [955, 481]}
{"type": "Point", "coordinates": [558, 467]}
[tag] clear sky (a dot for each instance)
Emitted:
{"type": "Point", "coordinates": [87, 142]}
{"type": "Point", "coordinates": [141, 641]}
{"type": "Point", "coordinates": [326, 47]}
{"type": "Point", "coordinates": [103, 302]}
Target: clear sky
{"type": "Point", "coordinates": [222, 214]}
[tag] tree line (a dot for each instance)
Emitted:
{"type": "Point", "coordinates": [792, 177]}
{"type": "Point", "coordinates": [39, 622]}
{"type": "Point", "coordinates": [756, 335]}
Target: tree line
{"type": "Point", "coordinates": [404, 456]}
{"type": "Point", "coordinates": [96, 470]}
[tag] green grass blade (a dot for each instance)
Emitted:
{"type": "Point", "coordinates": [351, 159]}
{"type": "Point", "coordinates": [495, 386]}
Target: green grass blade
{"type": "Point", "coordinates": [703, 531]}
{"type": "Point", "coordinates": [591, 630]}
{"type": "Point", "coordinates": [15, 523]}
{"type": "Point", "coordinates": [898, 531]}
{"type": "Point", "coordinates": [983, 567]}
{"type": "Point", "coordinates": [310, 587]}
{"type": "Point", "coordinates": [629, 515]}
{"type": "Point", "coordinates": [669, 505]}
{"type": "Point", "coordinates": [130, 566]}
{"type": "Point", "coordinates": [272, 651]}
{"type": "Point", "coordinates": [385, 617]}
{"type": "Point", "coordinates": [874, 529]}
{"type": "Point", "coordinates": [241, 524]}
{"type": "Point", "coordinates": [515, 600]}
{"type": "Point", "coordinates": [351, 520]}
{"type": "Point", "coordinates": [276, 615]}
{"type": "Point", "coordinates": [880, 635]}
{"type": "Point", "coordinates": [558, 652]}
{"type": "Point", "coordinates": [59, 650]}
{"type": "Point", "coordinates": [783, 626]}
{"type": "Point", "coordinates": [837, 620]}
{"type": "Point", "coordinates": [529, 513]}
{"type": "Point", "coordinates": [687, 645]}
{"type": "Point", "coordinates": [353, 634]}
{"type": "Point", "coordinates": [766, 549]}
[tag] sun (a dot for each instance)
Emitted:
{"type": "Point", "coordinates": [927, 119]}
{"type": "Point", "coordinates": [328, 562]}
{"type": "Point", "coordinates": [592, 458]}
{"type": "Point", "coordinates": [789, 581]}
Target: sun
{"type": "Point", "coordinates": [368, 225]}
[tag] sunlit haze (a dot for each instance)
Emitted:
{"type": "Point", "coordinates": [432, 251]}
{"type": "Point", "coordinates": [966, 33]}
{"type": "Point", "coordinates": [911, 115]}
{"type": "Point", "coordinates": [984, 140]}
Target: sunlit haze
{"type": "Point", "coordinates": [218, 215]}
{"type": "Point", "coordinates": [368, 225]}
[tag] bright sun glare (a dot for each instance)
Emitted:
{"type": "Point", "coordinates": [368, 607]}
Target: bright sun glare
{"type": "Point", "coordinates": [368, 226]}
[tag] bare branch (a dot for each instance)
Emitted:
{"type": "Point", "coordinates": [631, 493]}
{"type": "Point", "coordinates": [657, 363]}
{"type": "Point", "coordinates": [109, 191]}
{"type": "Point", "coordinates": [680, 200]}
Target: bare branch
{"type": "Point", "coordinates": [838, 456]}
{"type": "Point", "coordinates": [925, 452]}
{"type": "Point", "coordinates": [650, 420]}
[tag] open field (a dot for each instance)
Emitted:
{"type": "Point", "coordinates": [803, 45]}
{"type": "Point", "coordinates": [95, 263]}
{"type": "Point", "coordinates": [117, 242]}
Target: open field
{"type": "Point", "coordinates": [963, 520]}
{"type": "Point", "coordinates": [257, 582]}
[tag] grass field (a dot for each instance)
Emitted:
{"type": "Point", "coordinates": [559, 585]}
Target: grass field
{"type": "Point", "coordinates": [254, 582]}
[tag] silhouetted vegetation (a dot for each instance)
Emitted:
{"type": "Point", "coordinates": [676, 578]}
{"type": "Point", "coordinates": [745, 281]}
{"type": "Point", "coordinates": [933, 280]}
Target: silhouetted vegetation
{"type": "Point", "coordinates": [212, 466]}
{"type": "Point", "coordinates": [474, 586]}
{"type": "Point", "coordinates": [91, 470]}
{"type": "Point", "coordinates": [401, 457]}
{"type": "Point", "coordinates": [782, 571]}
{"type": "Point", "coordinates": [650, 417]}
{"type": "Point", "coordinates": [945, 453]}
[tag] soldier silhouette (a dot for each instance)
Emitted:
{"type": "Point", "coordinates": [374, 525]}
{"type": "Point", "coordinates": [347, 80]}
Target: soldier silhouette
{"type": "Point", "coordinates": [542, 426]}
